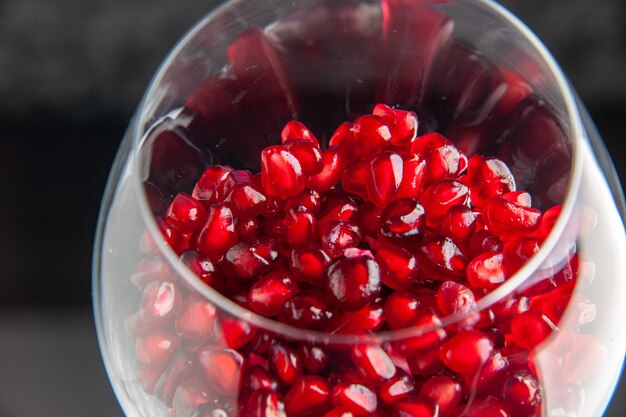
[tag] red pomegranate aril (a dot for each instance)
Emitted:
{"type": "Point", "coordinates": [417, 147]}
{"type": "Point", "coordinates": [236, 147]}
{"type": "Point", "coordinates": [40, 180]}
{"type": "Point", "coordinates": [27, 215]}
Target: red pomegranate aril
{"type": "Point", "coordinates": [281, 172]}
{"type": "Point", "coordinates": [343, 136]}
{"type": "Point", "coordinates": [357, 398]}
{"type": "Point", "coordinates": [440, 259]}
{"type": "Point", "coordinates": [308, 395]}
{"type": "Point", "coordinates": [204, 269]}
{"type": "Point", "coordinates": [256, 378]}
{"type": "Point", "coordinates": [247, 228]}
{"type": "Point", "coordinates": [548, 220]}
{"type": "Point", "coordinates": [505, 218]}
{"type": "Point", "coordinates": [246, 200]}
{"type": "Point", "coordinates": [466, 351]}
{"type": "Point", "coordinates": [250, 259]}
{"type": "Point", "coordinates": [403, 124]}
{"type": "Point", "coordinates": [396, 388]}
{"type": "Point", "coordinates": [171, 236]}
{"type": "Point", "coordinates": [308, 155]}
{"type": "Point", "coordinates": [488, 177]}
{"type": "Point", "coordinates": [371, 135]}
{"type": "Point", "coordinates": [355, 178]}
{"type": "Point", "coordinates": [415, 407]}
{"type": "Point", "coordinates": [489, 407]}
{"type": "Point", "coordinates": [364, 320]}
{"type": "Point", "coordinates": [150, 269]}
{"type": "Point", "coordinates": [402, 219]}
{"type": "Point", "coordinates": [517, 252]}
{"type": "Point", "coordinates": [306, 312]}
{"type": "Point", "coordinates": [426, 363]}
{"type": "Point", "coordinates": [186, 213]}
{"type": "Point", "coordinates": [297, 130]}
{"type": "Point", "coordinates": [489, 376]}
{"type": "Point", "coordinates": [443, 160]}
{"type": "Point", "coordinates": [189, 396]}
{"type": "Point", "coordinates": [369, 218]}
{"type": "Point", "coordinates": [373, 362]}
{"type": "Point", "coordinates": [482, 242]}
{"type": "Point", "coordinates": [334, 163]}
{"type": "Point", "coordinates": [341, 208]}
{"type": "Point", "coordinates": [195, 319]}
{"type": "Point", "coordinates": [521, 198]}
{"type": "Point", "coordinates": [338, 235]}
{"type": "Point", "coordinates": [443, 391]}
{"type": "Point", "coordinates": [487, 271]}
{"type": "Point", "coordinates": [455, 298]}
{"type": "Point", "coordinates": [442, 195]}
{"type": "Point", "coordinates": [148, 377]}
{"type": "Point", "coordinates": [269, 294]}
{"type": "Point", "coordinates": [400, 309]}
{"type": "Point", "coordinates": [309, 263]}
{"type": "Point", "coordinates": [154, 349]}
{"type": "Point", "coordinates": [413, 178]}
{"type": "Point", "coordinates": [236, 333]}
{"type": "Point", "coordinates": [264, 403]}
{"type": "Point", "coordinates": [385, 177]}
{"type": "Point", "coordinates": [522, 393]}
{"type": "Point", "coordinates": [429, 333]}
{"type": "Point", "coordinates": [299, 228]}
{"type": "Point", "coordinates": [459, 224]}
{"type": "Point", "coordinates": [531, 328]}
{"type": "Point", "coordinates": [353, 282]}
{"type": "Point", "coordinates": [507, 309]}
{"type": "Point", "coordinates": [314, 358]}
{"type": "Point", "coordinates": [307, 200]}
{"type": "Point", "coordinates": [285, 362]}
{"type": "Point", "coordinates": [223, 368]}
{"type": "Point", "coordinates": [159, 302]}
{"type": "Point", "coordinates": [218, 234]}
{"type": "Point", "coordinates": [210, 188]}
{"type": "Point", "coordinates": [180, 367]}
{"type": "Point", "coordinates": [398, 266]}
{"type": "Point", "coordinates": [339, 412]}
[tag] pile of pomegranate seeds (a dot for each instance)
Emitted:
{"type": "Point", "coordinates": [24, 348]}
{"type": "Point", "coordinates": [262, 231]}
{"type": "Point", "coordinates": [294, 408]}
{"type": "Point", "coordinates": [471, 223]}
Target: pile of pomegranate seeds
{"type": "Point", "coordinates": [381, 230]}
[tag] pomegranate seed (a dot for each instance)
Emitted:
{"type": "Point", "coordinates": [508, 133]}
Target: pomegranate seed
{"type": "Point", "coordinates": [371, 135]}
{"type": "Point", "coordinates": [264, 403]}
{"type": "Point", "coordinates": [487, 271]}
{"type": "Point", "coordinates": [357, 398]}
{"type": "Point", "coordinates": [440, 259]}
{"type": "Point", "coordinates": [400, 309]}
{"type": "Point", "coordinates": [159, 302]}
{"type": "Point", "coordinates": [223, 368]}
{"type": "Point", "coordinates": [403, 124]}
{"type": "Point", "coordinates": [373, 362]}
{"type": "Point", "coordinates": [185, 213]}
{"type": "Point", "coordinates": [334, 162]}
{"type": "Point", "coordinates": [247, 228]}
{"type": "Point", "coordinates": [355, 179]}
{"type": "Point", "coordinates": [172, 237]}
{"type": "Point", "coordinates": [285, 362]}
{"type": "Point", "coordinates": [218, 234]}
{"type": "Point", "coordinates": [309, 263]}
{"type": "Point", "coordinates": [402, 219]}
{"type": "Point", "coordinates": [314, 359]}
{"type": "Point", "coordinates": [398, 266]}
{"type": "Point", "coordinates": [344, 137]}
{"type": "Point", "coordinates": [257, 378]}
{"type": "Point", "coordinates": [154, 349]}
{"type": "Point", "coordinates": [250, 259]}
{"type": "Point", "coordinates": [341, 208]}
{"type": "Point", "coordinates": [307, 312]}
{"type": "Point", "coordinates": [180, 367]}
{"type": "Point", "coordinates": [148, 377]}
{"type": "Point", "coordinates": [339, 412]}
{"type": "Point", "coordinates": [490, 374]}
{"type": "Point", "coordinates": [236, 333]}
{"type": "Point", "coordinates": [338, 235]}
{"type": "Point", "coordinates": [521, 198]}
{"type": "Point", "coordinates": [548, 220]}
{"type": "Point", "coordinates": [484, 408]}
{"type": "Point", "coordinates": [385, 177]}
{"type": "Point", "coordinates": [204, 269]}
{"type": "Point", "coordinates": [189, 396]}
{"type": "Point", "coordinates": [531, 328]}
{"type": "Point", "coordinates": [482, 242]}
{"type": "Point", "coordinates": [459, 224]}
{"type": "Point", "coordinates": [366, 319]}
{"type": "Point", "coordinates": [488, 177]}
{"type": "Point", "coordinates": [299, 228]}
{"type": "Point", "coordinates": [505, 218]}
{"type": "Point", "coordinates": [442, 195]}
{"type": "Point", "coordinates": [425, 363]}
{"type": "Point", "coordinates": [428, 334]}
{"type": "Point", "coordinates": [413, 177]}
{"type": "Point", "coordinates": [195, 318]}
{"type": "Point", "coordinates": [354, 282]}
{"type": "Point", "coordinates": [308, 395]}
{"type": "Point", "coordinates": [246, 199]}
{"type": "Point", "coordinates": [151, 269]}
{"type": "Point", "coordinates": [396, 388]}
{"type": "Point", "coordinates": [455, 298]}
{"type": "Point", "coordinates": [307, 200]}
{"type": "Point", "coordinates": [522, 394]}
{"type": "Point", "coordinates": [296, 130]}
{"type": "Point", "coordinates": [443, 160]}
{"type": "Point", "coordinates": [308, 155]}
{"type": "Point", "coordinates": [466, 352]}
{"type": "Point", "coordinates": [507, 309]}
{"type": "Point", "coordinates": [281, 174]}
{"type": "Point", "coordinates": [270, 292]}
{"type": "Point", "coordinates": [369, 218]}
{"type": "Point", "coordinates": [443, 391]}
{"type": "Point", "coordinates": [210, 188]}
{"type": "Point", "coordinates": [517, 252]}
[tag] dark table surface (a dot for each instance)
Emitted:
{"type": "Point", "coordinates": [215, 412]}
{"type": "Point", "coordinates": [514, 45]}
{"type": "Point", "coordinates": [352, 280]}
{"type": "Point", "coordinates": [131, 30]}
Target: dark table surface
{"type": "Point", "coordinates": [71, 74]}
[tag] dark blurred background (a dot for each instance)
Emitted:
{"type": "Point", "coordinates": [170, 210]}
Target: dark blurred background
{"type": "Point", "coordinates": [71, 74]}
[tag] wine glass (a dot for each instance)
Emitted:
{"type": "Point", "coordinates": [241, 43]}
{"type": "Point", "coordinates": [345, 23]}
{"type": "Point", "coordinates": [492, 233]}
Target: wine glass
{"type": "Point", "coordinates": [174, 345]}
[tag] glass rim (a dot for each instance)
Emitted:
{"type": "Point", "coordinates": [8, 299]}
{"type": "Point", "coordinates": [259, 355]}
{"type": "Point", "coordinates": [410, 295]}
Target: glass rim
{"type": "Point", "coordinates": [576, 133]}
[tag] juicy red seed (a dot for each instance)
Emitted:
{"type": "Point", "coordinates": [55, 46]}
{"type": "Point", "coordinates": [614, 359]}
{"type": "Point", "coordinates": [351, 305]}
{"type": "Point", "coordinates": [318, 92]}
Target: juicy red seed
{"type": "Point", "coordinates": [296, 130]}
{"type": "Point", "coordinates": [371, 135]}
{"type": "Point", "coordinates": [264, 403]}
{"type": "Point", "coordinates": [195, 318]}
{"type": "Point", "coordinates": [521, 198]}
{"type": "Point", "coordinates": [403, 124]}
{"type": "Point", "coordinates": [185, 213]}
{"type": "Point", "coordinates": [548, 221]}
{"type": "Point", "coordinates": [154, 349]}
{"type": "Point", "coordinates": [150, 269]}
{"type": "Point", "coordinates": [413, 178]}
{"type": "Point", "coordinates": [308, 155]}
{"type": "Point", "coordinates": [269, 294]}
{"type": "Point", "coordinates": [299, 228]}
{"type": "Point", "coordinates": [509, 308]}
{"type": "Point", "coordinates": [344, 137]}
{"type": "Point", "coordinates": [334, 162]}
{"type": "Point", "coordinates": [428, 332]}
{"type": "Point", "coordinates": [455, 298]}
{"type": "Point", "coordinates": [369, 218]}
{"type": "Point", "coordinates": [385, 177]}
{"type": "Point", "coordinates": [308, 395]}
{"type": "Point", "coordinates": [309, 263]}
{"type": "Point", "coordinates": [189, 396]}
{"type": "Point", "coordinates": [373, 362]}
{"type": "Point", "coordinates": [281, 172]}
{"type": "Point", "coordinates": [459, 224]}
{"type": "Point", "coordinates": [442, 195]}
{"type": "Point", "coordinates": [487, 271]}
{"type": "Point", "coordinates": [314, 359]}
{"type": "Point", "coordinates": [415, 407]}
{"type": "Point", "coordinates": [223, 368]}
{"type": "Point", "coordinates": [344, 208]}
{"type": "Point", "coordinates": [443, 160]}
{"type": "Point", "coordinates": [246, 200]}
{"type": "Point", "coordinates": [181, 366]}
{"type": "Point", "coordinates": [355, 178]}
{"type": "Point", "coordinates": [443, 391]}
{"type": "Point", "coordinates": [218, 233]}
{"type": "Point", "coordinates": [338, 235]}
{"type": "Point", "coordinates": [236, 333]}
{"type": "Point", "coordinates": [364, 320]}
{"type": "Point", "coordinates": [210, 188]}
{"type": "Point", "coordinates": [306, 312]}
{"type": "Point", "coordinates": [357, 398]}
{"type": "Point", "coordinates": [517, 252]}
{"type": "Point", "coordinates": [425, 363]}
{"type": "Point", "coordinates": [250, 259]}
{"type": "Point", "coordinates": [398, 266]}
{"type": "Point", "coordinates": [440, 259]}
{"type": "Point", "coordinates": [339, 412]}
{"type": "Point", "coordinates": [257, 378]}
{"type": "Point", "coordinates": [402, 219]}
{"type": "Point", "coordinates": [174, 239]}
{"type": "Point", "coordinates": [204, 269]}
{"type": "Point", "coordinates": [506, 218]}
{"type": "Point", "coordinates": [484, 408]}
{"type": "Point", "coordinates": [396, 388]}
{"type": "Point", "coordinates": [247, 228]}
{"type": "Point", "coordinates": [488, 177]}
{"type": "Point", "coordinates": [159, 302]}
{"type": "Point", "coordinates": [466, 352]}
{"type": "Point", "coordinates": [354, 282]}
{"type": "Point", "coordinates": [482, 241]}
{"type": "Point", "coordinates": [490, 374]}
{"type": "Point", "coordinates": [285, 362]}
{"type": "Point", "coordinates": [307, 200]}
{"type": "Point", "coordinates": [522, 393]}
{"type": "Point", "coordinates": [531, 328]}
{"type": "Point", "coordinates": [401, 308]}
